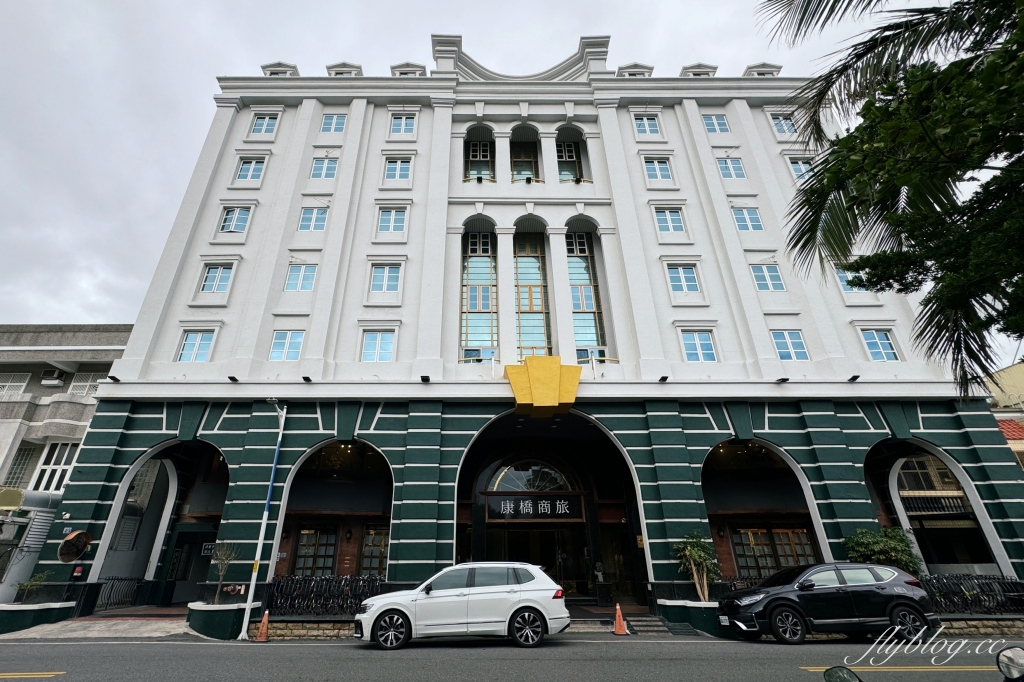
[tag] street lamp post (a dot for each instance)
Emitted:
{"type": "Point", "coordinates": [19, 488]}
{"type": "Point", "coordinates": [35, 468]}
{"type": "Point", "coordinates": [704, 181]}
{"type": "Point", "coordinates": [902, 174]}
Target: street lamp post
{"type": "Point", "coordinates": [281, 415]}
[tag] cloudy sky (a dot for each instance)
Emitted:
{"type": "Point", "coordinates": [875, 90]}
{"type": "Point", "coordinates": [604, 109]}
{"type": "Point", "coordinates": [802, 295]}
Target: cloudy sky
{"type": "Point", "coordinates": [106, 106]}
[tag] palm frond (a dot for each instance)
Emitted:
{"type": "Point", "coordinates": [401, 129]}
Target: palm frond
{"type": "Point", "coordinates": [886, 52]}
{"type": "Point", "coordinates": [798, 19]}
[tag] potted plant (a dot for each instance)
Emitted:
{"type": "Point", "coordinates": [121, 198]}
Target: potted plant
{"type": "Point", "coordinates": [223, 554]}
{"type": "Point", "coordinates": [698, 561]}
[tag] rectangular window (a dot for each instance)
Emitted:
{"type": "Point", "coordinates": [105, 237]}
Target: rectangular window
{"type": "Point", "coordinates": [683, 278]}
{"type": "Point", "coordinates": [235, 219]}
{"type": "Point", "coordinates": [646, 125]}
{"type": "Point", "coordinates": [195, 346]}
{"type": "Point", "coordinates": [19, 467]}
{"type": "Point", "coordinates": [731, 168]}
{"type": "Point", "coordinates": [55, 466]}
{"type": "Point", "coordinates": [783, 124]}
{"type": "Point", "coordinates": [250, 169]}
{"type": "Point", "coordinates": [715, 123]}
{"type": "Point", "coordinates": [86, 383]}
{"type": "Point", "coordinates": [533, 323]}
{"type": "Point", "coordinates": [403, 125]}
{"type": "Point", "coordinates": [657, 169]}
{"type": "Point", "coordinates": [524, 160]}
{"type": "Point", "coordinates": [397, 169]}
{"type": "Point", "coordinates": [315, 553]}
{"type": "Point", "coordinates": [333, 123]}
{"type": "Point", "coordinates": [286, 345]}
{"type": "Point", "coordinates": [844, 280]}
{"type": "Point", "coordinates": [747, 219]}
{"type": "Point", "coordinates": [880, 345]}
{"type": "Point", "coordinates": [313, 219]}
{"type": "Point", "coordinates": [391, 220]}
{"type": "Point", "coordinates": [587, 318]}
{"type": "Point", "coordinates": [13, 383]}
{"type": "Point", "coordinates": [569, 167]}
{"type": "Point", "coordinates": [698, 347]}
{"type": "Point", "coordinates": [378, 346]}
{"type": "Point", "coordinates": [669, 219]}
{"type": "Point", "coordinates": [300, 278]}
{"type": "Point", "coordinates": [479, 157]}
{"type": "Point", "coordinates": [790, 345]}
{"type": "Point", "coordinates": [767, 278]}
{"type": "Point", "coordinates": [479, 316]}
{"type": "Point", "coordinates": [216, 279]}
{"type": "Point", "coordinates": [385, 278]}
{"type": "Point", "coordinates": [264, 125]}
{"type": "Point", "coordinates": [801, 168]}
{"type": "Point", "coordinates": [324, 169]}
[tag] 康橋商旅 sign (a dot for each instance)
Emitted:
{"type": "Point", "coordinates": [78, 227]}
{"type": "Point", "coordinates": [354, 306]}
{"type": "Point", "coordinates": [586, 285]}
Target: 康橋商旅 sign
{"type": "Point", "coordinates": [534, 508]}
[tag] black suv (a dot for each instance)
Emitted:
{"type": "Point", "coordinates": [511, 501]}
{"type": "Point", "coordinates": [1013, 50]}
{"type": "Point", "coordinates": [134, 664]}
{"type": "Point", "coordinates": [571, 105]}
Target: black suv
{"type": "Point", "coordinates": [855, 599]}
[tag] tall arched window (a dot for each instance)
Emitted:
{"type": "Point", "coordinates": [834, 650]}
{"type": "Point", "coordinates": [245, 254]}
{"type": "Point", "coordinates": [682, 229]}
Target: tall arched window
{"type": "Point", "coordinates": [533, 316]}
{"type": "Point", "coordinates": [587, 319]}
{"type": "Point", "coordinates": [478, 336]}
{"type": "Point", "coordinates": [479, 154]}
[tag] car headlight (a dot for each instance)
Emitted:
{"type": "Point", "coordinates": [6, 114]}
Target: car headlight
{"type": "Point", "coordinates": [365, 608]}
{"type": "Point", "coordinates": [750, 599]}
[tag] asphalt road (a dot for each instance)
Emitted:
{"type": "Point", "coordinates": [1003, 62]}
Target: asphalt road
{"type": "Point", "coordinates": [568, 658]}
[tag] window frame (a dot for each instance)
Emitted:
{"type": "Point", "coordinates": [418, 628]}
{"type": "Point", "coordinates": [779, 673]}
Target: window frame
{"type": "Point", "coordinates": [783, 116]}
{"type": "Point", "coordinates": [302, 268]}
{"type": "Point", "coordinates": [314, 212]}
{"type": "Point", "coordinates": [15, 380]}
{"type": "Point", "coordinates": [468, 160]}
{"type": "Point", "coordinates": [207, 267]}
{"type": "Point", "coordinates": [365, 331]}
{"type": "Point", "coordinates": [403, 134]}
{"type": "Point", "coordinates": [717, 124]}
{"type": "Point", "coordinates": [745, 210]}
{"type": "Point", "coordinates": [791, 160]}
{"type": "Point", "coordinates": [767, 277]}
{"type": "Point", "coordinates": [397, 182]}
{"type": "Point", "coordinates": [328, 168]}
{"type": "Point", "coordinates": [334, 124]}
{"type": "Point", "coordinates": [249, 182]}
{"type": "Point", "coordinates": [684, 236]}
{"type": "Point", "coordinates": [94, 380]}
{"type": "Point", "coordinates": [56, 475]}
{"type": "Point", "coordinates": [682, 331]}
{"type": "Point", "coordinates": [183, 339]}
{"type": "Point", "coordinates": [263, 111]}
{"type": "Point", "coordinates": [889, 331]}
{"type": "Point", "coordinates": [684, 298]}
{"type": "Point", "coordinates": [647, 116]}
{"type": "Point", "coordinates": [787, 338]}
{"type": "Point", "coordinates": [287, 342]}
{"type": "Point", "coordinates": [384, 298]}
{"type": "Point", "coordinates": [733, 163]}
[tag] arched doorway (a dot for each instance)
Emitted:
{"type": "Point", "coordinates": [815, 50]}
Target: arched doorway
{"type": "Point", "coordinates": [172, 502]}
{"type": "Point", "coordinates": [913, 489]}
{"type": "Point", "coordinates": [338, 513]}
{"type": "Point", "coordinates": [758, 512]}
{"type": "Point", "coordinates": [557, 493]}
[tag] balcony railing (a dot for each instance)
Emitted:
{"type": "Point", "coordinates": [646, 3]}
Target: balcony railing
{"type": "Point", "coordinates": [935, 504]}
{"type": "Point", "coordinates": [964, 593]}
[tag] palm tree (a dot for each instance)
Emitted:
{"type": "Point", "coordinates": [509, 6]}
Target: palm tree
{"type": "Point", "coordinates": [828, 218]}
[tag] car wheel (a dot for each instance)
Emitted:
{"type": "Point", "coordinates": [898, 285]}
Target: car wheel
{"type": "Point", "coordinates": [527, 628]}
{"type": "Point", "coordinates": [788, 626]}
{"type": "Point", "coordinates": [392, 630]}
{"type": "Point", "coordinates": [749, 635]}
{"type": "Point", "coordinates": [908, 622]}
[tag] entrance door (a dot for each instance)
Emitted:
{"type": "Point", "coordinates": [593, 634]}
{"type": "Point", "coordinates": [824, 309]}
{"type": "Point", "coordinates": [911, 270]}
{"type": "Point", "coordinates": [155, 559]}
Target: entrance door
{"type": "Point", "coordinates": [445, 609]}
{"type": "Point", "coordinates": [495, 593]}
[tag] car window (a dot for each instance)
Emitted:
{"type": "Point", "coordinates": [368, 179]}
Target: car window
{"type": "Point", "coordinates": [452, 580]}
{"type": "Point", "coordinates": [490, 576]}
{"type": "Point", "coordinates": [857, 576]}
{"type": "Point", "coordinates": [824, 578]}
{"type": "Point", "coordinates": [524, 575]}
{"type": "Point", "coordinates": [784, 577]}
{"type": "Point", "coordinates": [883, 574]}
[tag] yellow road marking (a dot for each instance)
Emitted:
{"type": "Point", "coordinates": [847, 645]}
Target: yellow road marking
{"type": "Point", "coordinates": [905, 668]}
{"type": "Point", "coordinates": [27, 676]}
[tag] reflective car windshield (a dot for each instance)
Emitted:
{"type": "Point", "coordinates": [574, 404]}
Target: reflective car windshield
{"type": "Point", "coordinates": [783, 577]}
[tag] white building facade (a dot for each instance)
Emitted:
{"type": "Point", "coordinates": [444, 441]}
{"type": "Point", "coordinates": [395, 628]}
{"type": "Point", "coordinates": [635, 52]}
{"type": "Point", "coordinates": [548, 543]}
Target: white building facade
{"type": "Point", "coordinates": [375, 251]}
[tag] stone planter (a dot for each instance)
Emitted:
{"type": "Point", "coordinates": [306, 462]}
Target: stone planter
{"type": "Point", "coordinates": [702, 615]}
{"type": "Point", "coordinates": [14, 617]}
{"type": "Point", "coordinates": [219, 621]}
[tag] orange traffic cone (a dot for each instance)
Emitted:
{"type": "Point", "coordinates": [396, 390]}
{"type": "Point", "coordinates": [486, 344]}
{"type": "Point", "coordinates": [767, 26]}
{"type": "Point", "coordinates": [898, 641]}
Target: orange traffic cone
{"type": "Point", "coordinates": [620, 625]}
{"type": "Point", "coordinates": [264, 632]}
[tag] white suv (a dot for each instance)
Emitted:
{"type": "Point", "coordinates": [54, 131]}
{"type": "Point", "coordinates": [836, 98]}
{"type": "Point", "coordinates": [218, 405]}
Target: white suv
{"type": "Point", "coordinates": [494, 598]}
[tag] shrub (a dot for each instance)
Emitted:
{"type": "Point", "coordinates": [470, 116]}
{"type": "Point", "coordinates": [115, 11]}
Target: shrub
{"type": "Point", "coordinates": [697, 559]}
{"type": "Point", "coordinates": [888, 546]}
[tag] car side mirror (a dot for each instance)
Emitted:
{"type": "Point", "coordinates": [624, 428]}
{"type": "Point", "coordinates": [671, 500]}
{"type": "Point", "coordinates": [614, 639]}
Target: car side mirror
{"type": "Point", "coordinates": [805, 585]}
{"type": "Point", "coordinates": [428, 588]}
{"type": "Point", "coordinates": [841, 674]}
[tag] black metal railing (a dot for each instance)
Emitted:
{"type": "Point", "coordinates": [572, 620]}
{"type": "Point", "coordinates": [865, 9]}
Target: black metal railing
{"type": "Point", "coordinates": [964, 593]}
{"type": "Point", "coordinates": [744, 584]}
{"type": "Point", "coordinates": [330, 595]}
{"type": "Point", "coordinates": [118, 593]}
{"type": "Point", "coordinates": [935, 505]}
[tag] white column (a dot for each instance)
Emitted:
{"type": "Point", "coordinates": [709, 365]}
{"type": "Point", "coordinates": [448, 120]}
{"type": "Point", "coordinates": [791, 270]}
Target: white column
{"type": "Point", "coordinates": [154, 310]}
{"type": "Point", "coordinates": [428, 340]}
{"type": "Point", "coordinates": [560, 296]}
{"type": "Point", "coordinates": [502, 158]}
{"type": "Point", "coordinates": [550, 159]}
{"type": "Point", "coordinates": [645, 326]}
{"type": "Point", "coordinates": [506, 296]}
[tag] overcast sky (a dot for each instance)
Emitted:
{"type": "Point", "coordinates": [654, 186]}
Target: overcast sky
{"type": "Point", "coordinates": [106, 105]}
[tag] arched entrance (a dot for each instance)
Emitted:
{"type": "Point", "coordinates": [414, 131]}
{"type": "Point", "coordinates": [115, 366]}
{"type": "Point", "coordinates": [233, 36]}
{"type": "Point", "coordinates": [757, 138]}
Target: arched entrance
{"type": "Point", "coordinates": [914, 489]}
{"type": "Point", "coordinates": [758, 512]}
{"type": "Point", "coordinates": [177, 493]}
{"type": "Point", "coordinates": [557, 493]}
{"type": "Point", "coordinates": [338, 513]}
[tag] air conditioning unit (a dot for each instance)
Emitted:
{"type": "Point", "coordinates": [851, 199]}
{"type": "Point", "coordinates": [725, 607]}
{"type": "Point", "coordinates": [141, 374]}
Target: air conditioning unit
{"type": "Point", "coordinates": [52, 377]}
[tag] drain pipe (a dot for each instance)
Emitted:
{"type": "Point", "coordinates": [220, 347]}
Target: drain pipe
{"type": "Point", "coordinates": [281, 415]}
